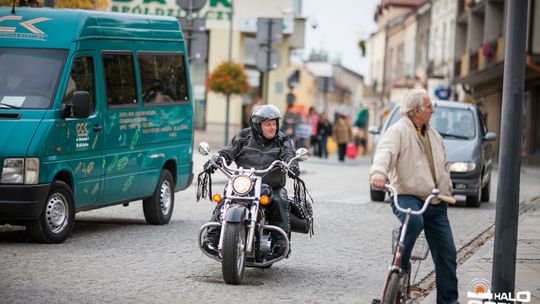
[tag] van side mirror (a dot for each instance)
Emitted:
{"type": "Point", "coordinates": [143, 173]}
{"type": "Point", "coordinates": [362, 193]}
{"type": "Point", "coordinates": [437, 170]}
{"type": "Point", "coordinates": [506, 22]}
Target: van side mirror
{"type": "Point", "coordinates": [490, 136]}
{"type": "Point", "coordinates": [81, 104]}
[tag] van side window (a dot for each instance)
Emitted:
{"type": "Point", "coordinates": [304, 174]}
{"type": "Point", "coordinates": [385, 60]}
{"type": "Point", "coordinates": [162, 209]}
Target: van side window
{"type": "Point", "coordinates": [81, 78]}
{"type": "Point", "coordinates": [119, 79]}
{"type": "Point", "coordinates": [163, 78]}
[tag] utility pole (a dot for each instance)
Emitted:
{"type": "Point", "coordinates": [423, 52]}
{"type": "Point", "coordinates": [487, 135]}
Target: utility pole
{"type": "Point", "coordinates": [506, 221]}
{"type": "Point", "coordinates": [230, 59]}
{"type": "Point", "coordinates": [269, 33]}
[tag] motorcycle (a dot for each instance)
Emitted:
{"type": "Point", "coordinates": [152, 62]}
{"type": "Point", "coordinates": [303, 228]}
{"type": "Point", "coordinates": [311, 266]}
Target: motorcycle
{"type": "Point", "coordinates": [247, 238]}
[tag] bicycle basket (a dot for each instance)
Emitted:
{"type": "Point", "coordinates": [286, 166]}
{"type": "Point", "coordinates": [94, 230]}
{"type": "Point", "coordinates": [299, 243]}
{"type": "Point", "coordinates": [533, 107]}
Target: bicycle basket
{"type": "Point", "coordinates": [420, 249]}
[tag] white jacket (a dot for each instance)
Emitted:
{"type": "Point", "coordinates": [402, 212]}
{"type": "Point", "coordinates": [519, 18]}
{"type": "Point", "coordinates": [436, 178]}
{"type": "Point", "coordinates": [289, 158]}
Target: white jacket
{"type": "Point", "coordinates": [400, 158]}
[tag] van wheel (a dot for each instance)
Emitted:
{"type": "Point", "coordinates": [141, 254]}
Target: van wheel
{"type": "Point", "coordinates": [159, 207]}
{"type": "Point", "coordinates": [57, 218]}
{"type": "Point", "coordinates": [376, 195]}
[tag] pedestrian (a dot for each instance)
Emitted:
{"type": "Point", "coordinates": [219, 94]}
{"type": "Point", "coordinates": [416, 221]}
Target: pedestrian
{"type": "Point", "coordinates": [313, 120]}
{"type": "Point", "coordinates": [343, 135]}
{"type": "Point", "coordinates": [291, 119]}
{"type": "Point", "coordinates": [324, 130]}
{"type": "Point", "coordinates": [360, 134]}
{"type": "Point", "coordinates": [411, 156]}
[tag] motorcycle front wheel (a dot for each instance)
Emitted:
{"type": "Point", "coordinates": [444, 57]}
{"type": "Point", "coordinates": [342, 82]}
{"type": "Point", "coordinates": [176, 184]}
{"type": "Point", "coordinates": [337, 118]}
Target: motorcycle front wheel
{"type": "Point", "coordinates": [233, 253]}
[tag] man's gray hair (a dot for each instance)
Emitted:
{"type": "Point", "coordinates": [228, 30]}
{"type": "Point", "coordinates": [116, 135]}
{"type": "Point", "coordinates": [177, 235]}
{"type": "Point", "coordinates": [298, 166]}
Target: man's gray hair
{"type": "Point", "coordinates": [414, 99]}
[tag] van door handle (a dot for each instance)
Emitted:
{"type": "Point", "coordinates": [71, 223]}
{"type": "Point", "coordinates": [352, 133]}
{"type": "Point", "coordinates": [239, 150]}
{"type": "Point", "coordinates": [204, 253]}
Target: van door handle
{"type": "Point", "coordinates": [98, 128]}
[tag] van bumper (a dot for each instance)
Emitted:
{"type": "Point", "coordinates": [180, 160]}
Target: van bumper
{"type": "Point", "coordinates": [22, 202]}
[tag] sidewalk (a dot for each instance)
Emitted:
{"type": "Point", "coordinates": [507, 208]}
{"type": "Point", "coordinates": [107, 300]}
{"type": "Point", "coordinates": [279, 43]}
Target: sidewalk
{"type": "Point", "coordinates": [479, 265]}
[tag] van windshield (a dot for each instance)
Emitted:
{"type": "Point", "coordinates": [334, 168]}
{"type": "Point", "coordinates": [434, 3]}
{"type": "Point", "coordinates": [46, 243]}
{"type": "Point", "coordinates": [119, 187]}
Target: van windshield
{"type": "Point", "coordinates": [29, 77]}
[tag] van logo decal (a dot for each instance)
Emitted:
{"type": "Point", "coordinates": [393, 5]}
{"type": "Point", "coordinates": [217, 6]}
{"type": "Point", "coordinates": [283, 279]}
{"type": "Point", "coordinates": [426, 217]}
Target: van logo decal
{"type": "Point", "coordinates": [30, 25]}
{"type": "Point", "coordinates": [11, 31]}
{"type": "Point", "coordinates": [81, 129]}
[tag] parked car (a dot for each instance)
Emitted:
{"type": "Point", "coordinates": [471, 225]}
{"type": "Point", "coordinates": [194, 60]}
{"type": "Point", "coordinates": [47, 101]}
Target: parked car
{"type": "Point", "coordinates": [468, 147]}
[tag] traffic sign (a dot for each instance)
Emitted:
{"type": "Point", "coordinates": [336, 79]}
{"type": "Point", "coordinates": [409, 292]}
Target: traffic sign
{"type": "Point", "coordinates": [267, 59]}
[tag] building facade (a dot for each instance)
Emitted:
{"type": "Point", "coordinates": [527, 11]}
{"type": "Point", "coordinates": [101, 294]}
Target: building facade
{"type": "Point", "coordinates": [465, 58]}
{"type": "Point", "coordinates": [218, 16]}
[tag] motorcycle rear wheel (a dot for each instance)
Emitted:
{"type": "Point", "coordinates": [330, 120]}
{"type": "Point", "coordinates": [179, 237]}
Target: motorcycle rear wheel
{"type": "Point", "coordinates": [233, 263]}
{"type": "Point", "coordinates": [392, 288]}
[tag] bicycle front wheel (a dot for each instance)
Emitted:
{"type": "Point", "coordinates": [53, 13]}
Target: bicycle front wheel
{"type": "Point", "coordinates": [391, 291]}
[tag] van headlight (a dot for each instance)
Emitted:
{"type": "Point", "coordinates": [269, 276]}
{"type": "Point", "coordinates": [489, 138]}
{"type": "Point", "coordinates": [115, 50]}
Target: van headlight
{"type": "Point", "coordinates": [20, 171]}
{"type": "Point", "coordinates": [462, 167]}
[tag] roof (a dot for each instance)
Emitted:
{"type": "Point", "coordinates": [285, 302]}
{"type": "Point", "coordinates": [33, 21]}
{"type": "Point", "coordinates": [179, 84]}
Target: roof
{"type": "Point", "coordinates": [59, 28]}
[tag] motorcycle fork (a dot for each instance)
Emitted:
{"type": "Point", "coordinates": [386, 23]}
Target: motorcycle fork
{"type": "Point", "coordinates": [251, 227]}
{"type": "Point", "coordinates": [223, 225]}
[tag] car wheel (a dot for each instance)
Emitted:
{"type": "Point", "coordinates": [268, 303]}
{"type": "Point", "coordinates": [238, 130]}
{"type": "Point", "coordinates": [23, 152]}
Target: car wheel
{"type": "Point", "coordinates": [486, 191]}
{"type": "Point", "coordinates": [376, 195]}
{"type": "Point", "coordinates": [57, 218]}
{"type": "Point", "coordinates": [474, 200]}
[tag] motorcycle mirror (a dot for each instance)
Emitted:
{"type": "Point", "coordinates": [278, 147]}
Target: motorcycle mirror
{"type": "Point", "coordinates": [302, 154]}
{"type": "Point", "coordinates": [204, 148]}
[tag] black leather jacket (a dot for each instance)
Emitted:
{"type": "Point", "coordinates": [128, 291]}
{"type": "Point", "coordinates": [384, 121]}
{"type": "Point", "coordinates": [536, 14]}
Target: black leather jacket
{"type": "Point", "coordinates": [251, 150]}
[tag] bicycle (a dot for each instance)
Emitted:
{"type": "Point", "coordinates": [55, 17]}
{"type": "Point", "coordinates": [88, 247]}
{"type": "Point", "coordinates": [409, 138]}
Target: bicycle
{"type": "Point", "coordinates": [397, 285]}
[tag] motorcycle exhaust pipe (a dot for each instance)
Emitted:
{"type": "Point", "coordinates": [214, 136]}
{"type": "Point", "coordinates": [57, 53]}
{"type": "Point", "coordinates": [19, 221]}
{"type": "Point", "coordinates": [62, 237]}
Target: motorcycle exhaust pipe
{"type": "Point", "coordinates": [298, 225]}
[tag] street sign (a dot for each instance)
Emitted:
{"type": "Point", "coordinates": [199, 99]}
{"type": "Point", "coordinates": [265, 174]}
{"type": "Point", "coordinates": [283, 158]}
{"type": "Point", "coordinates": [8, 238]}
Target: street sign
{"type": "Point", "coordinates": [195, 24]}
{"type": "Point", "coordinates": [269, 31]}
{"type": "Point", "coordinates": [267, 59]}
{"type": "Point", "coordinates": [198, 47]}
{"type": "Point", "coordinates": [193, 5]}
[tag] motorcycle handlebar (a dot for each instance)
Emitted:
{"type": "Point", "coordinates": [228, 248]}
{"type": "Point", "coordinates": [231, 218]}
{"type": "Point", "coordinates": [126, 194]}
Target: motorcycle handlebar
{"type": "Point", "coordinates": [435, 193]}
{"type": "Point", "coordinates": [227, 169]}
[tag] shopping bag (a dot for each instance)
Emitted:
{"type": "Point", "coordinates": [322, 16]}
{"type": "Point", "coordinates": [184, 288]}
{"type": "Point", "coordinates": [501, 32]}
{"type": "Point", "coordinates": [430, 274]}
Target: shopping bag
{"type": "Point", "coordinates": [351, 151]}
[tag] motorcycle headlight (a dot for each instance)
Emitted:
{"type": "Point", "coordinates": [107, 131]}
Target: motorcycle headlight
{"type": "Point", "coordinates": [20, 170]}
{"type": "Point", "coordinates": [241, 184]}
{"type": "Point", "coordinates": [462, 167]}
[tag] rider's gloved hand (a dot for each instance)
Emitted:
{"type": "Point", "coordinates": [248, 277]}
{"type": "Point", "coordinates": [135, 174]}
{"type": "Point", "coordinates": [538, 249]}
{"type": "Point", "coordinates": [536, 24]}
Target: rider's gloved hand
{"type": "Point", "coordinates": [212, 164]}
{"type": "Point", "coordinates": [295, 170]}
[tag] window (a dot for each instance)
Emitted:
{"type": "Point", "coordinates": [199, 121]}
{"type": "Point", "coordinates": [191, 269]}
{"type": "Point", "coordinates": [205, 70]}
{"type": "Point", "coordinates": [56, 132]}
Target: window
{"type": "Point", "coordinates": [29, 77]}
{"type": "Point", "coordinates": [81, 78]}
{"type": "Point", "coordinates": [163, 78]}
{"type": "Point", "coordinates": [119, 79]}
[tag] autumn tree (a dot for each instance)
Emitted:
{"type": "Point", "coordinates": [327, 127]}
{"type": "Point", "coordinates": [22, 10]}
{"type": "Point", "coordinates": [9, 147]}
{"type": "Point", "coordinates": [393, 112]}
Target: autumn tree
{"type": "Point", "coordinates": [228, 78]}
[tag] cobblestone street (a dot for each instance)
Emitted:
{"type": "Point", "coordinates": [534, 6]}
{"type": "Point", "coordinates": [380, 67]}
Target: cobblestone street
{"type": "Point", "coordinates": [114, 257]}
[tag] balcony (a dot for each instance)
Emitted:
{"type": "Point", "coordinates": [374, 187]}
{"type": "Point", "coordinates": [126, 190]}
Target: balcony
{"type": "Point", "coordinates": [474, 60]}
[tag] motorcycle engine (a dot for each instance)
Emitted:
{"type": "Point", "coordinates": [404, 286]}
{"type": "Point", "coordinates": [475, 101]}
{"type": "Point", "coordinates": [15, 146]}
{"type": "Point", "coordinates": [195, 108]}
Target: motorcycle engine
{"type": "Point", "coordinates": [266, 243]}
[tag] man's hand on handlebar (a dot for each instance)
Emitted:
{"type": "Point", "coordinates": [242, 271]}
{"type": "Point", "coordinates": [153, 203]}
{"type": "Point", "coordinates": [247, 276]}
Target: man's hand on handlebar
{"type": "Point", "coordinates": [212, 164]}
{"type": "Point", "coordinates": [378, 183]}
{"type": "Point", "coordinates": [294, 171]}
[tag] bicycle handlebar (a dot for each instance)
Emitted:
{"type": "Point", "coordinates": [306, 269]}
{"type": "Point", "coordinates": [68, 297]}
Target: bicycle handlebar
{"type": "Point", "coordinates": [435, 193]}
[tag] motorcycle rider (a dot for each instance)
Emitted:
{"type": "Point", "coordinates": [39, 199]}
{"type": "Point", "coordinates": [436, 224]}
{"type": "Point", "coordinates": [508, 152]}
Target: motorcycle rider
{"type": "Point", "coordinates": [257, 147]}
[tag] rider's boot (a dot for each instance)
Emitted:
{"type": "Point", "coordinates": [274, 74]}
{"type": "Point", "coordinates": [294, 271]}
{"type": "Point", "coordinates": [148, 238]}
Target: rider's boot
{"type": "Point", "coordinates": [211, 240]}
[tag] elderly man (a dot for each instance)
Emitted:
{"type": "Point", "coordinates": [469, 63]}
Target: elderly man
{"type": "Point", "coordinates": [411, 156]}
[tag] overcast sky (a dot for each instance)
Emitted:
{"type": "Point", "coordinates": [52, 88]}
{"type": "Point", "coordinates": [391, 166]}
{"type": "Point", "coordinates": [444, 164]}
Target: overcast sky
{"type": "Point", "coordinates": [340, 25]}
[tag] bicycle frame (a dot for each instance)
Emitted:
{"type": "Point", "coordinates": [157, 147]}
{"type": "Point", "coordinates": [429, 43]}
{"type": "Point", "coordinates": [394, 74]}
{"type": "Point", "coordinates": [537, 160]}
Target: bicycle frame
{"type": "Point", "coordinates": [396, 288]}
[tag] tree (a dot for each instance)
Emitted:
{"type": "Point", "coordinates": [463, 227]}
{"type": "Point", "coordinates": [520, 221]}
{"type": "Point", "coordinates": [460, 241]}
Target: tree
{"type": "Point", "coordinates": [81, 4]}
{"type": "Point", "coordinates": [228, 78]}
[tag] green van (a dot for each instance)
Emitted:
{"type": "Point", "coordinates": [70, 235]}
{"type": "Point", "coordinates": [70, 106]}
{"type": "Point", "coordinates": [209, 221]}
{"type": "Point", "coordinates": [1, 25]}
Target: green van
{"type": "Point", "coordinates": [95, 110]}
